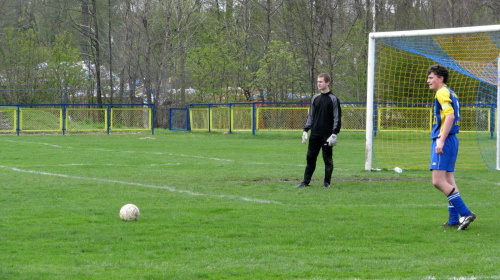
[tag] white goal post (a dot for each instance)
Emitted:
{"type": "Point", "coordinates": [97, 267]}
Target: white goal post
{"type": "Point", "coordinates": [434, 37]}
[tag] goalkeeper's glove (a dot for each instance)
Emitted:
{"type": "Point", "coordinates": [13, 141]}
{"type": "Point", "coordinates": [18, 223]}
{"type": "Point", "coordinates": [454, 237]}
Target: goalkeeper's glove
{"type": "Point", "coordinates": [304, 137]}
{"type": "Point", "coordinates": [332, 140]}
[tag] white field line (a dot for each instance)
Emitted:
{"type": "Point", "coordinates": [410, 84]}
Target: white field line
{"type": "Point", "coordinates": [40, 143]}
{"type": "Point", "coordinates": [430, 277]}
{"type": "Point", "coordinates": [174, 190]}
{"type": "Point", "coordinates": [115, 164]}
{"type": "Point", "coordinates": [166, 154]}
{"type": "Point", "coordinates": [170, 189]}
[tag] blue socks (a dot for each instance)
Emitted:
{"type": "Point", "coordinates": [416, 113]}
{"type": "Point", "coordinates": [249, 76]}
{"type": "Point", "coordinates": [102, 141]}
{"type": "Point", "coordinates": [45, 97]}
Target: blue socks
{"type": "Point", "coordinates": [453, 214]}
{"type": "Point", "coordinates": [458, 204]}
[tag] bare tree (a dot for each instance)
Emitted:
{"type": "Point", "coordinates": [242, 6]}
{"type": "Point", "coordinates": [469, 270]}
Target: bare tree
{"type": "Point", "coordinates": [309, 26]}
{"type": "Point", "coordinates": [124, 48]}
{"type": "Point", "coordinates": [152, 42]}
{"type": "Point", "coordinates": [89, 28]}
{"type": "Point", "coordinates": [96, 47]}
{"type": "Point", "coordinates": [110, 50]}
{"type": "Point", "coordinates": [185, 27]}
{"type": "Point", "coordinates": [146, 64]}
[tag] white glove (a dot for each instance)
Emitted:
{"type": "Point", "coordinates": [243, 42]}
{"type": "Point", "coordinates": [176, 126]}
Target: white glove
{"type": "Point", "coordinates": [304, 137]}
{"type": "Point", "coordinates": [332, 140]}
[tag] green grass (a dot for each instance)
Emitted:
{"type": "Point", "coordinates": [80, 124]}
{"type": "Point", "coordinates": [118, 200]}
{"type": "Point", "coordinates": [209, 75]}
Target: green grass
{"type": "Point", "coordinates": [222, 206]}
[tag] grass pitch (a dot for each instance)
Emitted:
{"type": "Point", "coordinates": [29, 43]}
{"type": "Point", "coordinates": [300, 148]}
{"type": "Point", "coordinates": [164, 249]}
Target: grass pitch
{"type": "Point", "coordinates": [222, 206]}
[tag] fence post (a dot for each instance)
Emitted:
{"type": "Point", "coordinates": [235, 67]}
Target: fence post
{"type": "Point", "coordinates": [18, 124]}
{"type": "Point", "coordinates": [254, 111]}
{"type": "Point", "coordinates": [492, 121]}
{"type": "Point", "coordinates": [188, 118]}
{"type": "Point", "coordinates": [170, 118]}
{"type": "Point", "coordinates": [64, 119]}
{"type": "Point", "coordinates": [153, 118]}
{"type": "Point", "coordinates": [230, 112]}
{"type": "Point", "coordinates": [209, 117]}
{"type": "Point", "coordinates": [108, 109]}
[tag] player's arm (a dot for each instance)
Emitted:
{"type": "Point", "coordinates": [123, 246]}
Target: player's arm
{"type": "Point", "coordinates": [449, 118]}
{"type": "Point", "coordinates": [447, 124]}
{"type": "Point", "coordinates": [310, 119]}
{"type": "Point", "coordinates": [337, 113]}
{"type": "Point", "coordinates": [337, 116]}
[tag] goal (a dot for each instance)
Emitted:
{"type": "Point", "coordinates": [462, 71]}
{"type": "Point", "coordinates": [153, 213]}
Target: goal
{"type": "Point", "coordinates": [399, 101]}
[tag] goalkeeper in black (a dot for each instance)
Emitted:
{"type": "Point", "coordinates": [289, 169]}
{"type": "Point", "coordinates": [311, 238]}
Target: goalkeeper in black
{"type": "Point", "coordinates": [324, 121]}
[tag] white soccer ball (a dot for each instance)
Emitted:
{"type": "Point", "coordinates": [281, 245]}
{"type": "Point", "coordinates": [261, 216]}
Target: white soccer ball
{"type": "Point", "coordinates": [129, 212]}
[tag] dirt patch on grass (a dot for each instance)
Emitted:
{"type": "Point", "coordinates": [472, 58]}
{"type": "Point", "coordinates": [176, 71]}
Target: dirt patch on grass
{"type": "Point", "coordinates": [377, 179]}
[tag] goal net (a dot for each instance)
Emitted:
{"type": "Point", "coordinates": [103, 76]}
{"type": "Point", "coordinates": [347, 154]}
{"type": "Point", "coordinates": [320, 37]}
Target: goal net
{"type": "Point", "coordinates": [399, 101]}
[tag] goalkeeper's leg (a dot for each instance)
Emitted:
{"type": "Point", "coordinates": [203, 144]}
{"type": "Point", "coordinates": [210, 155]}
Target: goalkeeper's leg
{"type": "Point", "coordinates": [315, 144]}
{"type": "Point", "coordinates": [327, 159]}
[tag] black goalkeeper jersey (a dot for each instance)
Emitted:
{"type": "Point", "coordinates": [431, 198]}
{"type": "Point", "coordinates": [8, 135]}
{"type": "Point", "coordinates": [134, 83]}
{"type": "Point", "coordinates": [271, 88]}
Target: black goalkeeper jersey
{"type": "Point", "coordinates": [324, 117]}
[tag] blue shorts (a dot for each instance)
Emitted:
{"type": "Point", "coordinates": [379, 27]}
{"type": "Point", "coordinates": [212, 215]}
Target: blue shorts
{"type": "Point", "coordinates": [446, 160]}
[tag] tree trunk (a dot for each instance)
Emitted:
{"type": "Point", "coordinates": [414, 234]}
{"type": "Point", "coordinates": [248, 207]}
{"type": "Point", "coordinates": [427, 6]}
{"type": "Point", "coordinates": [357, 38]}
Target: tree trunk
{"type": "Point", "coordinates": [97, 52]}
{"type": "Point", "coordinates": [110, 47]}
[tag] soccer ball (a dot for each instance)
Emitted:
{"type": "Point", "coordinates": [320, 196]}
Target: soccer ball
{"type": "Point", "coordinates": [129, 212]}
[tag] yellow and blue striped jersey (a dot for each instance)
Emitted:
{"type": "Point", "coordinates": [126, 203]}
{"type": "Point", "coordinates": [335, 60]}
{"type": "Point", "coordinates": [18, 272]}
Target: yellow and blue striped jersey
{"type": "Point", "coordinates": [445, 102]}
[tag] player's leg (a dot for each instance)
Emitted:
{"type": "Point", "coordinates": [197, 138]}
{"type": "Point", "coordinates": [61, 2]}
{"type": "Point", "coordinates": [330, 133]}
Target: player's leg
{"type": "Point", "coordinates": [313, 149]}
{"type": "Point", "coordinates": [453, 216]}
{"type": "Point", "coordinates": [442, 164]}
{"type": "Point", "coordinates": [458, 204]}
{"type": "Point", "coordinates": [315, 143]}
{"type": "Point", "coordinates": [444, 180]}
{"type": "Point", "coordinates": [328, 160]}
{"type": "Point", "coordinates": [445, 183]}
{"type": "Point", "coordinates": [440, 181]}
